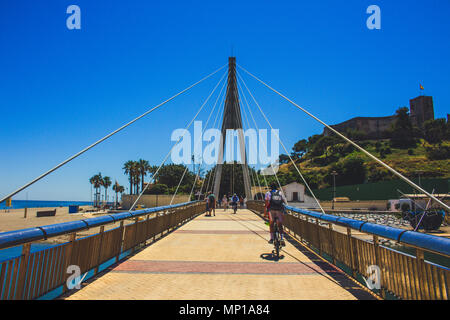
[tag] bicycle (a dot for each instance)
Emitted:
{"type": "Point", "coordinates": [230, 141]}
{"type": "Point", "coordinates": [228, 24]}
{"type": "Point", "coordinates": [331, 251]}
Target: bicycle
{"type": "Point", "coordinates": [276, 238]}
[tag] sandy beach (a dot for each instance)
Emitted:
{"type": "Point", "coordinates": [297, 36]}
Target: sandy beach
{"type": "Point", "coordinates": [13, 219]}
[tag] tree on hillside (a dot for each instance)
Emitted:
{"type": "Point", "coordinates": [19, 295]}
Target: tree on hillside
{"type": "Point", "coordinates": [434, 131]}
{"type": "Point", "coordinates": [283, 159]}
{"type": "Point", "coordinates": [321, 145]}
{"type": "Point", "coordinates": [299, 149]}
{"type": "Point", "coordinates": [350, 171]}
{"type": "Point", "coordinates": [402, 131]}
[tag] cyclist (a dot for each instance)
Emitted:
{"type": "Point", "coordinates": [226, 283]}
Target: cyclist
{"type": "Point", "coordinates": [274, 202]}
{"type": "Point", "coordinates": [234, 201]}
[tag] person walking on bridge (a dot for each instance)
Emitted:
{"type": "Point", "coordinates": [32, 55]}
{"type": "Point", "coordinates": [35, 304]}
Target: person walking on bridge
{"type": "Point", "coordinates": [225, 202]}
{"type": "Point", "coordinates": [234, 202]}
{"type": "Point", "coordinates": [207, 204]}
{"type": "Point", "coordinates": [212, 203]}
{"type": "Point", "coordinates": [275, 200]}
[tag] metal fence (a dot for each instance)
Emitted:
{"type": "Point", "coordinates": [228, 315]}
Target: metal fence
{"type": "Point", "coordinates": [401, 275]}
{"type": "Point", "coordinates": [32, 275]}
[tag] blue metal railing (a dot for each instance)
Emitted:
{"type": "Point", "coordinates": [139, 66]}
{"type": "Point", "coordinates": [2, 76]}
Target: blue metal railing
{"type": "Point", "coordinates": [417, 239]}
{"type": "Point", "coordinates": [17, 237]}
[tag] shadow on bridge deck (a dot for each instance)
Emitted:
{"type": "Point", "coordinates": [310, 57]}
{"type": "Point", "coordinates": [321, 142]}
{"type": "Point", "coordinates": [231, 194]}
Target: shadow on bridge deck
{"type": "Point", "coordinates": [219, 258]}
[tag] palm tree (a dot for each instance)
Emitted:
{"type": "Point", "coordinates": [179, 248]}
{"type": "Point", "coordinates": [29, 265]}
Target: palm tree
{"type": "Point", "coordinates": [96, 181]}
{"type": "Point", "coordinates": [118, 189]}
{"type": "Point", "coordinates": [106, 183]}
{"type": "Point", "coordinates": [128, 167]}
{"type": "Point", "coordinates": [143, 167]}
{"type": "Point", "coordinates": [152, 171]}
{"type": "Point", "coordinates": [136, 177]}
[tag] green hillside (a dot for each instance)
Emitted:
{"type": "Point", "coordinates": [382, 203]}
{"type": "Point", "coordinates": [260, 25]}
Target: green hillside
{"type": "Point", "coordinates": [416, 153]}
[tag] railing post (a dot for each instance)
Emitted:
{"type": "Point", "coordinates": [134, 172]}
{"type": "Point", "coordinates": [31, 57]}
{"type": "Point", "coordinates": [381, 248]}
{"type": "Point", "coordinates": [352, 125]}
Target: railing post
{"type": "Point", "coordinates": [23, 270]}
{"type": "Point", "coordinates": [333, 255]}
{"type": "Point", "coordinates": [378, 262]}
{"type": "Point", "coordinates": [148, 223]}
{"type": "Point", "coordinates": [67, 259]}
{"type": "Point", "coordinates": [102, 229]}
{"type": "Point", "coordinates": [136, 220]}
{"type": "Point", "coordinates": [420, 259]}
{"type": "Point", "coordinates": [121, 240]}
{"type": "Point", "coordinates": [318, 235]}
{"type": "Point", "coordinates": [352, 252]}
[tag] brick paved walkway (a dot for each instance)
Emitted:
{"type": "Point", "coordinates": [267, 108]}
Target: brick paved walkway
{"type": "Point", "coordinates": [222, 257]}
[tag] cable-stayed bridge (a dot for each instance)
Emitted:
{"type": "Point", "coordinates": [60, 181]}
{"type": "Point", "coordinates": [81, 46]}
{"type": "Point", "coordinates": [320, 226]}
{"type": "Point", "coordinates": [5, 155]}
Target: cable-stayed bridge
{"type": "Point", "coordinates": [175, 252]}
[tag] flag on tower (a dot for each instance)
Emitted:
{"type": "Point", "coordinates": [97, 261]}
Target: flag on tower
{"type": "Point", "coordinates": [421, 87]}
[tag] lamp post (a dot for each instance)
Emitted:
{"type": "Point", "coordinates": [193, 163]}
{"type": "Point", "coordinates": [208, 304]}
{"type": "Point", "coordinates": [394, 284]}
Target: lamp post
{"type": "Point", "coordinates": [334, 174]}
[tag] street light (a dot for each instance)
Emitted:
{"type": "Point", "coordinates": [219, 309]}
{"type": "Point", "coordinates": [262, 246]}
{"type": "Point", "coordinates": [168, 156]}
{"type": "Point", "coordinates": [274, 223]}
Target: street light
{"type": "Point", "coordinates": [334, 174]}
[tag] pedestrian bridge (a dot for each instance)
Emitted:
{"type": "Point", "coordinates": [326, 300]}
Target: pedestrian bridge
{"type": "Point", "coordinates": [176, 252]}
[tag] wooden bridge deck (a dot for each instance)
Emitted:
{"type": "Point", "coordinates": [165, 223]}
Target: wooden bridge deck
{"type": "Point", "coordinates": [221, 257]}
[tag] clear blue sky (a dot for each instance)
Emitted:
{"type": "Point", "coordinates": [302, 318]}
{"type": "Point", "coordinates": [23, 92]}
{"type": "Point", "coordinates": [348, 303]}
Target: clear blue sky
{"type": "Point", "coordinates": [60, 89]}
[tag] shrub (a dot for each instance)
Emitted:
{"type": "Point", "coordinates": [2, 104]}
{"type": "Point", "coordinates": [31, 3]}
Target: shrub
{"type": "Point", "coordinates": [158, 189]}
{"type": "Point", "coordinates": [438, 153]}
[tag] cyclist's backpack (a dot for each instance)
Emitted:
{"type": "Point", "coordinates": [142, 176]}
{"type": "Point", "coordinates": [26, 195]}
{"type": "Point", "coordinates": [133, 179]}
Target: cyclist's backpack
{"type": "Point", "coordinates": [276, 201]}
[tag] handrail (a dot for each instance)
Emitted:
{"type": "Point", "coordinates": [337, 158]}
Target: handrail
{"type": "Point", "coordinates": [414, 238]}
{"type": "Point", "coordinates": [17, 237]}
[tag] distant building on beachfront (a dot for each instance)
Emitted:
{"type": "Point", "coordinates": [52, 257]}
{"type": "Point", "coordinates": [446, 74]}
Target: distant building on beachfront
{"type": "Point", "coordinates": [420, 110]}
{"type": "Point", "coordinates": [294, 192]}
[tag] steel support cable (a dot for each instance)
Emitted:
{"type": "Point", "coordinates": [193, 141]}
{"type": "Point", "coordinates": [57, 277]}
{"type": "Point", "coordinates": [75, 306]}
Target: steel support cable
{"type": "Point", "coordinates": [106, 137]}
{"type": "Point", "coordinates": [206, 125]}
{"type": "Point", "coordinates": [412, 184]}
{"type": "Point", "coordinates": [248, 107]}
{"type": "Point", "coordinates": [248, 126]}
{"type": "Point", "coordinates": [282, 144]}
{"type": "Point", "coordinates": [219, 112]}
{"type": "Point", "coordinates": [271, 165]}
{"type": "Point", "coordinates": [207, 121]}
{"type": "Point", "coordinates": [178, 186]}
{"type": "Point", "coordinates": [254, 121]}
{"type": "Point", "coordinates": [179, 139]}
{"type": "Point", "coordinates": [252, 178]}
{"type": "Point", "coordinates": [220, 146]}
{"type": "Point", "coordinates": [214, 125]}
{"type": "Point", "coordinates": [244, 116]}
{"type": "Point", "coordinates": [185, 170]}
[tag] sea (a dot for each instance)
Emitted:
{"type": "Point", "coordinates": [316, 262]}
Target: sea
{"type": "Point", "coordinates": [20, 204]}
